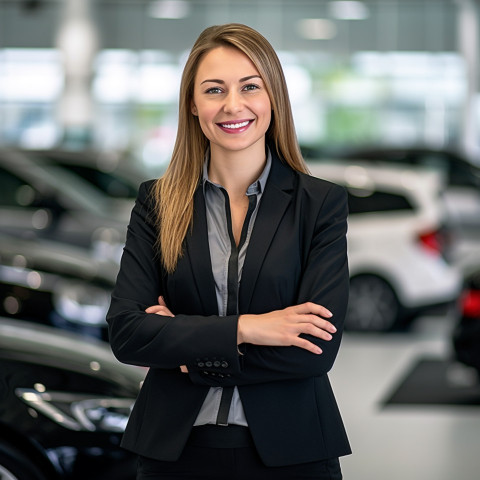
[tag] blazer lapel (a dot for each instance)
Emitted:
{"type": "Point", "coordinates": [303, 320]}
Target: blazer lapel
{"type": "Point", "coordinates": [199, 254]}
{"type": "Point", "coordinates": [274, 202]}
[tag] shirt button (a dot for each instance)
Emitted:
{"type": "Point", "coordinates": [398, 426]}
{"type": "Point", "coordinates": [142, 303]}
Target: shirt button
{"type": "Point", "coordinates": [224, 364]}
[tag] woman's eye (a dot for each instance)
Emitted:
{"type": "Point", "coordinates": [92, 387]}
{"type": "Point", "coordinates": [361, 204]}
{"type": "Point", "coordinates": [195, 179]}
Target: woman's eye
{"type": "Point", "coordinates": [214, 90]}
{"type": "Point", "coordinates": [250, 87]}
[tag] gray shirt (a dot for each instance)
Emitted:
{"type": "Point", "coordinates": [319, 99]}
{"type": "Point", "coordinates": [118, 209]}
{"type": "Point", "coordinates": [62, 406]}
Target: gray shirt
{"type": "Point", "coordinates": [227, 264]}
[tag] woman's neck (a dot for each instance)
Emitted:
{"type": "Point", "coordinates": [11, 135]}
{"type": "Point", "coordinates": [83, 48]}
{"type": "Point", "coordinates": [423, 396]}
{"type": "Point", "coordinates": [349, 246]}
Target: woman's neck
{"type": "Point", "coordinates": [236, 170]}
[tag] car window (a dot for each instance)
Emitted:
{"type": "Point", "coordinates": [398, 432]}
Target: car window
{"type": "Point", "coordinates": [363, 201]}
{"type": "Point", "coordinates": [433, 160]}
{"type": "Point", "coordinates": [459, 173]}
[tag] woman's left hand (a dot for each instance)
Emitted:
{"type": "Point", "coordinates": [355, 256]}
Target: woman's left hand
{"type": "Point", "coordinates": [160, 309]}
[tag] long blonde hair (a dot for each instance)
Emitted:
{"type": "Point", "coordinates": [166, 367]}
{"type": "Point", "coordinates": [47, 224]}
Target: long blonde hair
{"type": "Point", "coordinates": [174, 191]}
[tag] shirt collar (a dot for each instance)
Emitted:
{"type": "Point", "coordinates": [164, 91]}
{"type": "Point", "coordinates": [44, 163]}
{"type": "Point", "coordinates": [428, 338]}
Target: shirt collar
{"type": "Point", "coordinates": [256, 187]}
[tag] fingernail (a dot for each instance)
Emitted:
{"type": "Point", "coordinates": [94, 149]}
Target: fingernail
{"type": "Point", "coordinates": [318, 350]}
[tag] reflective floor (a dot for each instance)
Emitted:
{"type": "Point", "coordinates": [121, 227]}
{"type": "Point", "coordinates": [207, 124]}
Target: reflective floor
{"type": "Point", "coordinates": [402, 442]}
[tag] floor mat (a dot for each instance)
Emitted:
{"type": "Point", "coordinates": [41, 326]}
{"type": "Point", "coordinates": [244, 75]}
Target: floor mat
{"type": "Point", "coordinates": [433, 381]}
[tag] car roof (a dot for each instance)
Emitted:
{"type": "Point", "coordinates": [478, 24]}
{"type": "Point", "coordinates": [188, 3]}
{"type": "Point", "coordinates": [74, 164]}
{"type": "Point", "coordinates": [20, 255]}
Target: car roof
{"type": "Point", "coordinates": [363, 174]}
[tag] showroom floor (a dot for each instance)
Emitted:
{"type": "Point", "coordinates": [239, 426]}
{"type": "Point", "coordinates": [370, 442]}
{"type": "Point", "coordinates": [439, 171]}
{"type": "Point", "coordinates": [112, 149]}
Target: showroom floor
{"type": "Point", "coordinates": [426, 442]}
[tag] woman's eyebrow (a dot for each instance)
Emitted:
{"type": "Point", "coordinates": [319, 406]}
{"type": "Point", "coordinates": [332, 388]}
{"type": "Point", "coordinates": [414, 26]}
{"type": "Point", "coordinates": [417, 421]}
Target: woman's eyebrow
{"type": "Point", "coordinates": [216, 80]}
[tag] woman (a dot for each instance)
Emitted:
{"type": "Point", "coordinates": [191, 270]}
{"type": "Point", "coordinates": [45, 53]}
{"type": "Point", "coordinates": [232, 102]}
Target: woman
{"type": "Point", "coordinates": [233, 284]}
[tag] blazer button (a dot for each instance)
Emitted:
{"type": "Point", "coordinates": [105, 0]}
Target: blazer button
{"type": "Point", "coordinates": [208, 364]}
{"type": "Point", "coordinates": [200, 364]}
{"type": "Point", "coordinates": [224, 364]}
{"type": "Point", "coordinates": [216, 363]}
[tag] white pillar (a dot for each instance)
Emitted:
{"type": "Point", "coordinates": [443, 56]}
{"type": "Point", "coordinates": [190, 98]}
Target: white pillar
{"type": "Point", "coordinates": [77, 39]}
{"type": "Point", "coordinates": [468, 47]}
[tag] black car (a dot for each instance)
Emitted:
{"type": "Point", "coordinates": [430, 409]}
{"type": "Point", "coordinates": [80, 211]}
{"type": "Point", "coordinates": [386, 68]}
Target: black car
{"type": "Point", "coordinates": [64, 404]}
{"type": "Point", "coordinates": [113, 174]}
{"type": "Point", "coordinates": [47, 201]}
{"type": "Point", "coordinates": [55, 284]}
{"type": "Point", "coordinates": [466, 335]}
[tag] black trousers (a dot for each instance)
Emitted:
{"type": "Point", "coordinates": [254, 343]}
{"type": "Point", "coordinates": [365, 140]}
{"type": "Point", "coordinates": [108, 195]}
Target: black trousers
{"type": "Point", "coordinates": [228, 453]}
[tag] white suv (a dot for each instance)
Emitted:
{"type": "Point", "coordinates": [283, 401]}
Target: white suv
{"type": "Point", "coordinates": [397, 256]}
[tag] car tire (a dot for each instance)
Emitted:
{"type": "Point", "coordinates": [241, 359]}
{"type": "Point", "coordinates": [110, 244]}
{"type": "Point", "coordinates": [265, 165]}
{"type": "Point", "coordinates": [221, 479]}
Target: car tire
{"type": "Point", "coordinates": [14, 465]}
{"type": "Point", "coordinates": [373, 305]}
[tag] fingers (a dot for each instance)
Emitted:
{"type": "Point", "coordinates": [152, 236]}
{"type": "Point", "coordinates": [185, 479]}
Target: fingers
{"type": "Point", "coordinates": [315, 314]}
{"type": "Point", "coordinates": [306, 345]}
{"type": "Point", "coordinates": [287, 327]}
{"type": "Point", "coordinates": [318, 322]}
{"type": "Point", "coordinates": [310, 319]}
{"type": "Point", "coordinates": [160, 309]}
{"type": "Point", "coordinates": [311, 329]}
{"type": "Point", "coordinates": [161, 301]}
{"type": "Point", "coordinates": [310, 307]}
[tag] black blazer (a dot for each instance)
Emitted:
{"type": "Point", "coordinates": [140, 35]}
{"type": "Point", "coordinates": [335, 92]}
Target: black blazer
{"type": "Point", "coordinates": [297, 253]}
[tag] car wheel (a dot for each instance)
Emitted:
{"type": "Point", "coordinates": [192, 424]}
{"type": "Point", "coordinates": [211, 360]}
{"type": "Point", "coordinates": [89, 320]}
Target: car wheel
{"type": "Point", "coordinates": [372, 306]}
{"type": "Point", "coordinates": [14, 465]}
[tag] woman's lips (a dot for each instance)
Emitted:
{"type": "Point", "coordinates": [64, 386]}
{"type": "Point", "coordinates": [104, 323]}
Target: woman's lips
{"type": "Point", "coordinates": [235, 127]}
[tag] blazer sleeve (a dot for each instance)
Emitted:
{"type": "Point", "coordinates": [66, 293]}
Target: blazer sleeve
{"type": "Point", "coordinates": [153, 340]}
{"type": "Point", "coordinates": [325, 281]}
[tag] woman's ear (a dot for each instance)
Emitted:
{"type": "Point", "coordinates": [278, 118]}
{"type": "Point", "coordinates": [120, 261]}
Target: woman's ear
{"type": "Point", "coordinates": [193, 108]}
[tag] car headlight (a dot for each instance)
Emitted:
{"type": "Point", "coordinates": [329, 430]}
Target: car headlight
{"type": "Point", "coordinates": [80, 412]}
{"type": "Point", "coordinates": [81, 303]}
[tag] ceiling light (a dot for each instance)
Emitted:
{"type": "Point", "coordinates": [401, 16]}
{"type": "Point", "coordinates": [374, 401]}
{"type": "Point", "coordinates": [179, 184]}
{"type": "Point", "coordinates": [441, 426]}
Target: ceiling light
{"type": "Point", "coordinates": [348, 10]}
{"type": "Point", "coordinates": [172, 9]}
{"type": "Point", "coordinates": [316, 29]}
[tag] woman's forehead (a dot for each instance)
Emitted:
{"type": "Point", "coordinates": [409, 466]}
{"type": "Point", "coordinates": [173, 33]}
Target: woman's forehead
{"type": "Point", "coordinates": [225, 62]}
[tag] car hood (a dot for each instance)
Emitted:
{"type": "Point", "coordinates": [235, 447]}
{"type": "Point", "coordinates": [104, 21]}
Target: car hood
{"type": "Point", "coordinates": [25, 341]}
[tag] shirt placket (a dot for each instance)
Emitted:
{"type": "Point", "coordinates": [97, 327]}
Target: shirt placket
{"type": "Point", "coordinates": [232, 287]}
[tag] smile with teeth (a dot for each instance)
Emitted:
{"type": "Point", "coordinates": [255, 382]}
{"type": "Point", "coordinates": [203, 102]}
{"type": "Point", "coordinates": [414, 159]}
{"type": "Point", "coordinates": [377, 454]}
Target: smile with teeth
{"type": "Point", "coordinates": [235, 125]}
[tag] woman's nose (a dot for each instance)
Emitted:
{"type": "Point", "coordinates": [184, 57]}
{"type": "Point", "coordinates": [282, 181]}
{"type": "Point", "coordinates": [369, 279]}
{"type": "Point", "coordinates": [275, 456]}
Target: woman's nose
{"type": "Point", "coordinates": [233, 102]}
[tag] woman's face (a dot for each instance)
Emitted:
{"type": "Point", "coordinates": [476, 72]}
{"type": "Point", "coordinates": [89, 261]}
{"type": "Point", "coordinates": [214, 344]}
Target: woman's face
{"type": "Point", "coordinates": [230, 101]}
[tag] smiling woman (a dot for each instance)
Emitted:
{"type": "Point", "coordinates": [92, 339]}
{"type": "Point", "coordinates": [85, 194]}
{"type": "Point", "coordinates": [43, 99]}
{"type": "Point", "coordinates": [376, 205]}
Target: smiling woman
{"type": "Point", "coordinates": [233, 284]}
{"type": "Point", "coordinates": [230, 98]}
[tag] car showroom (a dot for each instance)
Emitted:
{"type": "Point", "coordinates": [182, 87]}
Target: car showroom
{"type": "Point", "coordinates": [385, 97]}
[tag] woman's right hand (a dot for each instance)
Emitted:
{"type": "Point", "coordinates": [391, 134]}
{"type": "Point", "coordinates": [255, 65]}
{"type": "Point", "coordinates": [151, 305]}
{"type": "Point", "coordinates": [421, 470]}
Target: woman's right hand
{"type": "Point", "coordinates": [283, 327]}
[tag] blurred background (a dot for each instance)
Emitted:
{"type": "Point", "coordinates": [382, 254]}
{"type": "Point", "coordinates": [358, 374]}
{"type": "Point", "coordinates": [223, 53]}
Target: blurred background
{"type": "Point", "coordinates": [385, 96]}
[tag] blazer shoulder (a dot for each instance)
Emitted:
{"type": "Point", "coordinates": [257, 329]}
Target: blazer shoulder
{"type": "Point", "coordinates": [145, 203]}
{"type": "Point", "coordinates": [145, 195]}
{"type": "Point", "coordinates": [145, 189]}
